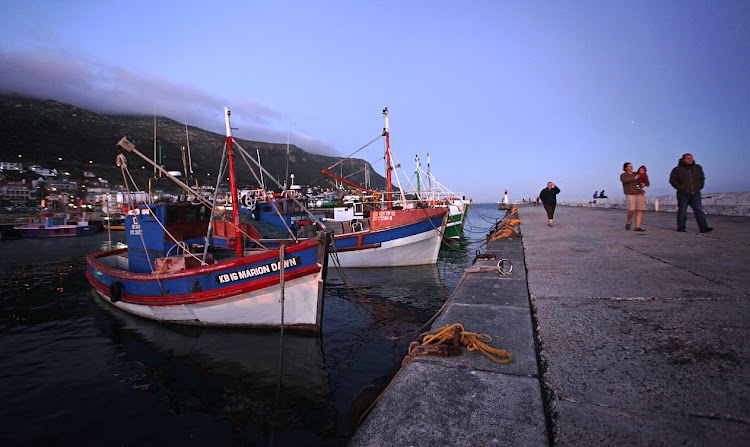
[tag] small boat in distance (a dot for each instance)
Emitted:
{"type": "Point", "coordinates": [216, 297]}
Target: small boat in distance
{"type": "Point", "coordinates": [55, 226]}
{"type": "Point", "coordinates": [171, 270]}
{"type": "Point", "coordinates": [114, 224]}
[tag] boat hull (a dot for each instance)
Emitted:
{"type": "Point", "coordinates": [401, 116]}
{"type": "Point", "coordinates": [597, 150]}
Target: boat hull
{"type": "Point", "coordinates": [61, 231]}
{"type": "Point", "coordinates": [409, 242]}
{"type": "Point", "coordinates": [260, 309]}
{"type": "Point", "coordinates": [458, 211]}
{"type": "Point", "coordinates": [243, 292]}
{"type": "Point", "coordinates": [454, 227]}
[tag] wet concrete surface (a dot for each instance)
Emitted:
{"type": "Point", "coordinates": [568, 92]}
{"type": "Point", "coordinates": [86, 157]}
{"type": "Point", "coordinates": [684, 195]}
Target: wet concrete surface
{"type": "Point", "coordinates": [644, 337]}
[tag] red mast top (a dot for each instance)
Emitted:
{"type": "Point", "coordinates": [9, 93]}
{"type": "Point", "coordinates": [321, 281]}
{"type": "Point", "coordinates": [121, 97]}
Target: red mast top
{"type": "Point", "coordinates": [389, 188]}
{"type": "Point", "coordinates": [240, 246]}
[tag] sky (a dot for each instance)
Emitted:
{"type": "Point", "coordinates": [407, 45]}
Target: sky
{"type": "Point", "coordinates": [503, 95]}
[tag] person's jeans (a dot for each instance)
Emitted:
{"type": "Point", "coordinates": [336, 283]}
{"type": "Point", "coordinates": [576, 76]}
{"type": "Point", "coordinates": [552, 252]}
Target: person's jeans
{"type": "Point", "coordinates": [695, 203]}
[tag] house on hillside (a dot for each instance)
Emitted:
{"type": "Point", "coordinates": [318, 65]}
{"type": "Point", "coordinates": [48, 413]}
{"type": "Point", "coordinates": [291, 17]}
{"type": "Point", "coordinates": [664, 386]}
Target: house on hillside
{"type": "Point", "coordinates": [10, 166]}
{"type": "Point", "coordinates": [44, 172]}
{"type": "Point", "coordinates": [63, 185]}
{"type": "Point", "coordinates": [15, 191]}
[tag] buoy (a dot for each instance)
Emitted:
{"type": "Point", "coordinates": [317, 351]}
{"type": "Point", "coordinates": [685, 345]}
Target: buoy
{"type": "Point", "coordinates": [115, 291]}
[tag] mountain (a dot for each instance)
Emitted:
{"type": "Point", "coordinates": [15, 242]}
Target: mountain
{"type": "Point", "coordinates": [65, 137]}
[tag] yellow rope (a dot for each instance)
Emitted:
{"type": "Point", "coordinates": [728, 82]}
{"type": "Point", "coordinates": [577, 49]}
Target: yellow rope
{"type": "Point", "coordinates": [472, 340]}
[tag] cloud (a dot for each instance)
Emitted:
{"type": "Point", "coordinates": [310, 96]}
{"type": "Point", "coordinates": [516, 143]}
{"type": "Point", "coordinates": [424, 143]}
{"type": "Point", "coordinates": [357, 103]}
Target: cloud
{"type": "Point", "coordinates": [79, 80]}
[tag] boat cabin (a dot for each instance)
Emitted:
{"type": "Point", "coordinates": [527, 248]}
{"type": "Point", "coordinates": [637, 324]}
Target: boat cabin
{"type": "Point", "coordinates": [148, 229]}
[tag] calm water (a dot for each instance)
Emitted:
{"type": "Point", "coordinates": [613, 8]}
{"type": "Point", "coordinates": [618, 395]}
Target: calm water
{"type": "Point", "coordinates": [76, 371]}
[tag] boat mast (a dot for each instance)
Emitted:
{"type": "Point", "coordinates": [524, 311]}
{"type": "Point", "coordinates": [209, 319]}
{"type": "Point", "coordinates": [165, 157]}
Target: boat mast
{"type": "Point", "coordinates": [233, 187]}
{"type": "Point", "coordinates": [190, 159]}
{"type": "Point", "coordinates": [416, 172]}
{"type": "Point", "coordinates": [429, 178]}
{"type": "Point", "coordinates": [389, 188]}
{"type": "Point", "coordinates": [155, 159]}
{"type": "Point", "coordinates": [262, 183]}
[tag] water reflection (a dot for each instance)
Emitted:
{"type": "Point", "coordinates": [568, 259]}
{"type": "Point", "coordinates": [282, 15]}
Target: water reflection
{"type": "Point", "coordinates": [392, 301]}
{"type": "Point", "coordinates": [256, 382]}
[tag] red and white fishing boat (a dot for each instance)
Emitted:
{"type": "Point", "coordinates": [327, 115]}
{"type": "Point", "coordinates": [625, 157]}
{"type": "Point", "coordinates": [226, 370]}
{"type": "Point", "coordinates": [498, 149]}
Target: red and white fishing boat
{"type": "Point", "coordinates": [381, 234]}
{"type": "Point", "coordinates": [172, 271]}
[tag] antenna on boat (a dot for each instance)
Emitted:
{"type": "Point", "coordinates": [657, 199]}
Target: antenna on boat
{"type": "Point", "coordinates": [286, 175]}
{"type": "Point", "coordinates": [226, 119]}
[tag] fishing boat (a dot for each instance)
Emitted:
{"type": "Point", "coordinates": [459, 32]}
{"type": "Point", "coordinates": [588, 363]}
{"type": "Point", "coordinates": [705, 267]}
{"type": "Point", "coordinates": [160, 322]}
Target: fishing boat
{"type": "Point", "coordinates": [371, 231]}
{"type": "Point", "coordinates": [172, 271]}
{"type": "Point", "coordinates": [55, 226]}
{"type": "Point", "coordinates": [437, 195]}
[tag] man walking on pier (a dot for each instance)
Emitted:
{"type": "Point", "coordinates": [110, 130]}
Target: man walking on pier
{"type": "Point", "coordinates": [688, 179]}
{"type": "Point", "coordinates": [549, 200]}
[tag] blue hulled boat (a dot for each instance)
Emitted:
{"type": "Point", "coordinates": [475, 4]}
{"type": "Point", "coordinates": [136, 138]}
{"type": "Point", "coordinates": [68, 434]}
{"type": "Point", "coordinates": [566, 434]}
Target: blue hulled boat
{"type": "Point", "coordinates": [173, 271]}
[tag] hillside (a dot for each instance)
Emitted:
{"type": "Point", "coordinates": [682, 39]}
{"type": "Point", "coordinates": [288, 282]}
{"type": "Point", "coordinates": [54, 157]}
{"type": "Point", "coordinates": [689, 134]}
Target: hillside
{"type": "Point", "coordinates": [43, 131]}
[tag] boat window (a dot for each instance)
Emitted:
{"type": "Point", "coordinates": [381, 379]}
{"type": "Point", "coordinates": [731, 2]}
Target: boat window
{"type": "Point", "coordinates": [173, 214]}
{"type": "Point", "coordinates": [189, 215]}
{"type": "Point", "coordinates": [292, 207]}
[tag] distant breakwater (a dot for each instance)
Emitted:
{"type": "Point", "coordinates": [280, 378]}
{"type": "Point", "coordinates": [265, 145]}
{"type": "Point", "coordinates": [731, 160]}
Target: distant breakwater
{"type": "Point", "coordinates": [719, 203]}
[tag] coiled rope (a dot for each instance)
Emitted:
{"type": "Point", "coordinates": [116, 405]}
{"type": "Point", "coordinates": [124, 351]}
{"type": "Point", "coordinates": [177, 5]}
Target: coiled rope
{"type": "Point", "coordinates": [447, 340]}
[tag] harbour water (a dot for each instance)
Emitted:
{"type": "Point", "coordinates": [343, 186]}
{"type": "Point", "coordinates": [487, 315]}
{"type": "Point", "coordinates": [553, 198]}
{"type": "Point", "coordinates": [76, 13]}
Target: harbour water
{"type": "Point", "coordinates": [76, 371]}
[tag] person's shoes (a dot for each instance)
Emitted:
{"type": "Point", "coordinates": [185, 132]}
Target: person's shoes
{"type": "Point", "coordinates": [627, 226]}
{"type": "Point", "coordinates": [707, 230]}
{"type": "Point", "coordinates": [639, 229]}
{"type": "Point", "coordinates": [549, 224]}
{"type": "Point", "coordinates": [681, 230]}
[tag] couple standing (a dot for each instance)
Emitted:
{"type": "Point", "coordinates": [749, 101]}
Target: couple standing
{"type": "Point", "coordinates": [687, 178]}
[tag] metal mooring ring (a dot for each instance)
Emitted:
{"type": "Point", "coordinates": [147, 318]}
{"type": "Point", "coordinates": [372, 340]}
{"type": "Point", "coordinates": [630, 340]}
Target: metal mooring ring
{"type": "Point", "coordinates": [504, 267]}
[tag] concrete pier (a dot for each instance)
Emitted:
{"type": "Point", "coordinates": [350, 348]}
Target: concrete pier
{"type": "Point", "coordinates": [618, 337]}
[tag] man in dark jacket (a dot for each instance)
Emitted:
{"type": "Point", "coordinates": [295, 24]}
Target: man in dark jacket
{"type": "Point", "coordinates": [549, 200]}
{"type": "Point", "coordinates": [688, 179]}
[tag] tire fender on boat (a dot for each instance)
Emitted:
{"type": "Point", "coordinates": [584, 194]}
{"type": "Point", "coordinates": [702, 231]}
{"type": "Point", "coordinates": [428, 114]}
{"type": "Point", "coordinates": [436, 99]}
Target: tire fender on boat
{"type": "Point", "coordinates": [115, 291]}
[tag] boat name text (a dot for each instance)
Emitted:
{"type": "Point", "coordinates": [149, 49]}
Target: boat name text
{"type": "Point", "coordinates": [383, 215]}
{"type": "Point", "coordinates": [252, 272]}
